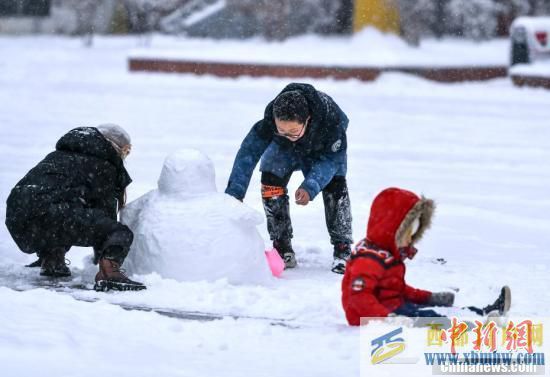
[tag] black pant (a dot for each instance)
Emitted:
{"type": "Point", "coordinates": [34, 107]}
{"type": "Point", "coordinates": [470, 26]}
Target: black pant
{"type": "Point", "coordinates": [421, 314]}
{"type": "Point", "coordinates": [337, 210]}
{"type": "Point", "coordinates": [64, 225]}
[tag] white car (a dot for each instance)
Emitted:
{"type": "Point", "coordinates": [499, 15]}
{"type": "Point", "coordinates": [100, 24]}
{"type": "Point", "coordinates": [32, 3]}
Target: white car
{"type": "Point", "coordinates": [530, 37]}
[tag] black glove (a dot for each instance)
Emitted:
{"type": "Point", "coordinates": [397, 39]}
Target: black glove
{"type": "Point", "coordinates": [441, 299]}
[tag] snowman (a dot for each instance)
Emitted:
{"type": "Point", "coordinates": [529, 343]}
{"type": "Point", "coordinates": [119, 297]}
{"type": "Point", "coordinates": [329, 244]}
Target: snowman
{"type": "Point", "coordinates": [187, 231]}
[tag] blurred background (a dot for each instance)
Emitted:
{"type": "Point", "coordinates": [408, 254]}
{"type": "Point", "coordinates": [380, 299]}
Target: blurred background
{"type": "Point", "coordinates": [270, 19]}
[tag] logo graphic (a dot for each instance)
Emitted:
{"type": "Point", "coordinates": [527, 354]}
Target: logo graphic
{"type": "Point", "coordinates": [336, 146]}
{"type": "Point", "coordinates": [497, 347]}
{"type": "Point", "coordinates": [443, 346]}
{"type": "Point", "coordinates": [386, 346]}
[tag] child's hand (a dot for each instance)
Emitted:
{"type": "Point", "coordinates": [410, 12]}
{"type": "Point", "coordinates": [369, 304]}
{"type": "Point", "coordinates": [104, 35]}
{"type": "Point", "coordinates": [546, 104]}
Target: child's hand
{"type": "Point", "coordinates": [302, 197]}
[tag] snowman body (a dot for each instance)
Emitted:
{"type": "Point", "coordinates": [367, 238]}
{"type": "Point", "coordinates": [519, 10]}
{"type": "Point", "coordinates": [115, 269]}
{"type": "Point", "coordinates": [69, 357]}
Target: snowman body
{"type": "Point", "coordinates": [187, 231]}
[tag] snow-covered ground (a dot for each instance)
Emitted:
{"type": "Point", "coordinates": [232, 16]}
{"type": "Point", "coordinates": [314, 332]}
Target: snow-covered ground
{"type": "Point", "coordinates": [368, 48]}
{"type": "Point", "coordinates": [481, 150]}
{"type": "Point", "coordinates": [537, 69]}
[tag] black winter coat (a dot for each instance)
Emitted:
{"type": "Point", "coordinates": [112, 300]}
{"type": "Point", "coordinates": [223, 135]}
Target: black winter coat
{"type": "Point", "coordinates": [324, 139]}
{"type": "Point", "coordinates": [84, 173]}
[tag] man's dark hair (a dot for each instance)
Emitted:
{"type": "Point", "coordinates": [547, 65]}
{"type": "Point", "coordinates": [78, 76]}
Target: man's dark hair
{"type": "Point", "coordinates": [291, 106]}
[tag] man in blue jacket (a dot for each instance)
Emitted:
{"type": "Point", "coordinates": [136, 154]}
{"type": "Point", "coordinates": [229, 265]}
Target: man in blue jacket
{"type": "Point", "coordinates": [302, 129]}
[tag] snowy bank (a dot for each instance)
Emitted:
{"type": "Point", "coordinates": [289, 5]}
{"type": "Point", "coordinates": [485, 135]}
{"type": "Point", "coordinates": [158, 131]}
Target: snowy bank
{"type": "Point", "coordinates": [537, 69]}
{"type": "Point", "coordinates": [368, 48]}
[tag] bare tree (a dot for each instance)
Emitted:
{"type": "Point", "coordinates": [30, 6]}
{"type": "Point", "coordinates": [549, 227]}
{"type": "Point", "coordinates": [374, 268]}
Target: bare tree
{"type": "Point", "coordinates": [86, 11]}
{"type": "Point", "coordinates": [418, 19]}
{"type": "Point", "coordinates": [540, 7]}
{"type": "Point", "coordinates": [146, 15]}
{"type": "Point", "coordinates": [474, 19]}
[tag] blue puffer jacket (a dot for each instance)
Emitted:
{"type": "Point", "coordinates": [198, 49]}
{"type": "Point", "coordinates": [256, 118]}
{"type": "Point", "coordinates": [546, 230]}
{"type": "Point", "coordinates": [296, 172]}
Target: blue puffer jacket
{"type": "Point", "coordinates": [324, 141]}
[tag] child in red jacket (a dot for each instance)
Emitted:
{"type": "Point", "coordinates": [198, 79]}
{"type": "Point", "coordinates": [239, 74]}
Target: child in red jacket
{"type": "Point", "coordinates": [374, 282]}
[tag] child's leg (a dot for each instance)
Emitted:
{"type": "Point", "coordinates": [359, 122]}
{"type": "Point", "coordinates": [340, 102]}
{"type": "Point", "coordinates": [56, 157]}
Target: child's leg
{"type": "Point", "coordinates": [409, 309]}
{"type": "Point", "coordinates": [501, 304]}
{"type": "Point", "coordinates": [422, 317]}
{"type": "Point", "coordinates": [477, 311]}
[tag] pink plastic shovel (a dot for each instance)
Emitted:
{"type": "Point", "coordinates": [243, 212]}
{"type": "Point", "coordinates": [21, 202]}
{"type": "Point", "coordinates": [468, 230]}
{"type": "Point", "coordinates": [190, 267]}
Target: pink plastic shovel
{"type": "Point", "coordinates": [275, 262]}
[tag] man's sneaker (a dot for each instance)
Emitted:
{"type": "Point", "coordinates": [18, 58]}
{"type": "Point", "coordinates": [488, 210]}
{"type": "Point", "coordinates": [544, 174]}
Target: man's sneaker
{"type": "Point", "coordinates": [502, 303]}
{"type": "Point", "coordinates": [110, 276]}
{"type": "Point", "coordinates": [53, 263]}
{"type": "Point", "coordinates": [342, 253]}
{"type": "Point", "coordinates": [284, 248]}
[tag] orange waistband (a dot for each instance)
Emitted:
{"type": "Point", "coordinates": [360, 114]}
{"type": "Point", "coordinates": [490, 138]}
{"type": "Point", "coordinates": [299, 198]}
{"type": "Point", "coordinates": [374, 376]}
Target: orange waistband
{"type": "Point", "coordinates": [272, 191]}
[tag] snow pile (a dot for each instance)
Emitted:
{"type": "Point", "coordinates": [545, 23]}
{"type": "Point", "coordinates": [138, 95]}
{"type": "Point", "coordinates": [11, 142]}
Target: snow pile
{"type": "Point", "coordinates": [532, 24]}
{"type": "Point", "coordinates": [187, 173]}
{"type": "Point", "coordinates": [367, 48]}
{"type": "Point", "coordinates": [187, 231]}
{"type": "Point", "coordinates": [538, 69]}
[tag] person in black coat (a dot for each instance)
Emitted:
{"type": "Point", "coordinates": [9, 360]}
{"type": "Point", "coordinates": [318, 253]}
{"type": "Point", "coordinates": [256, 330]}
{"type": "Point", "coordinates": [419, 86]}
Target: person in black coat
{"type": "Point", "coordinates": [70, 199]}
{"type": "Point", "coordinates": [302, 129]}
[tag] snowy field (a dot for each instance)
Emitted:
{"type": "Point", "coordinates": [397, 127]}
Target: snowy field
{"type": "Point", "coordinates": [481, 150]}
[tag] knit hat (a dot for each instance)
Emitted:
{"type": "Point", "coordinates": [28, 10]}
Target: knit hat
{"type": "Point", "coordinates": [115, 134]}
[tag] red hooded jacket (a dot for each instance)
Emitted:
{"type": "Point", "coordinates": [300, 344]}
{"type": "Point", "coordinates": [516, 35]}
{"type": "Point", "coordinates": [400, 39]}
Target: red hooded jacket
{"type": "Point", "coordinates": [374, 281]}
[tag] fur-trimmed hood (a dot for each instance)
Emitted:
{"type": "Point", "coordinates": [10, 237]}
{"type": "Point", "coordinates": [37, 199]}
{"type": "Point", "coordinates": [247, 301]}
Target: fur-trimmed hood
{"type": "Point", "coordinates": [393, 211]}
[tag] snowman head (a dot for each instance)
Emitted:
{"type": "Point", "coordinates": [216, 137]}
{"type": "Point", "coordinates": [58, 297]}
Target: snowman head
{"type": "Point", "coordinates": [187, 172]}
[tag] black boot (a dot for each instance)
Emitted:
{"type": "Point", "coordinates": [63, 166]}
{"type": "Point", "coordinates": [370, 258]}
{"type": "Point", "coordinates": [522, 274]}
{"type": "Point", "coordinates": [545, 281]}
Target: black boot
{"type": "Point", "coordinates": [53, 263]}
{"type": "Point", "coordinates": [279, 226]}
{"type": "Point", "coordinates": [499, 308]}
{"type": "Point", "coordinates": [338, 220]}
{"type": "Point", "coordinates": [338, 211]}
{"type": "Point", "coordinates": [502, 303]}
{"type": "Point", "coordinates": [277, 213]}
{"type": "Point", "coordinates": [342, 253]}
{"type": "Point", "coordinates": [36, 263]}
{"type": "Point", "coordinates": [284, 248]}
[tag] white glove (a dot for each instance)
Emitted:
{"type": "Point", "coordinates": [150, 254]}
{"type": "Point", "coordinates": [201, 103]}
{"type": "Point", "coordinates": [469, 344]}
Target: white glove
{"type": "Point", "coordinates": [441, 299]}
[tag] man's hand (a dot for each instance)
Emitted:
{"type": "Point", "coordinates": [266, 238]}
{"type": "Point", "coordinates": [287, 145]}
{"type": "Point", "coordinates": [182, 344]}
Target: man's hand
{"type": "Point", "coordinates": [302, 197]}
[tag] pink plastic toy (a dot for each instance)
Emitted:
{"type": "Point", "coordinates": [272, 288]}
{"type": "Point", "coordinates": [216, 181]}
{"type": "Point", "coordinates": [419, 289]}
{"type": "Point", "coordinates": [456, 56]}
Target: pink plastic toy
{"type": "Point", "coordinates": [275, 262]}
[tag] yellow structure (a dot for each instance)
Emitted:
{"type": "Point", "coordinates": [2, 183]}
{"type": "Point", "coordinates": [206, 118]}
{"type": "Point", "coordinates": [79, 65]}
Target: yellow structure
{"type": "Point", "coordinates": [382, 14]}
